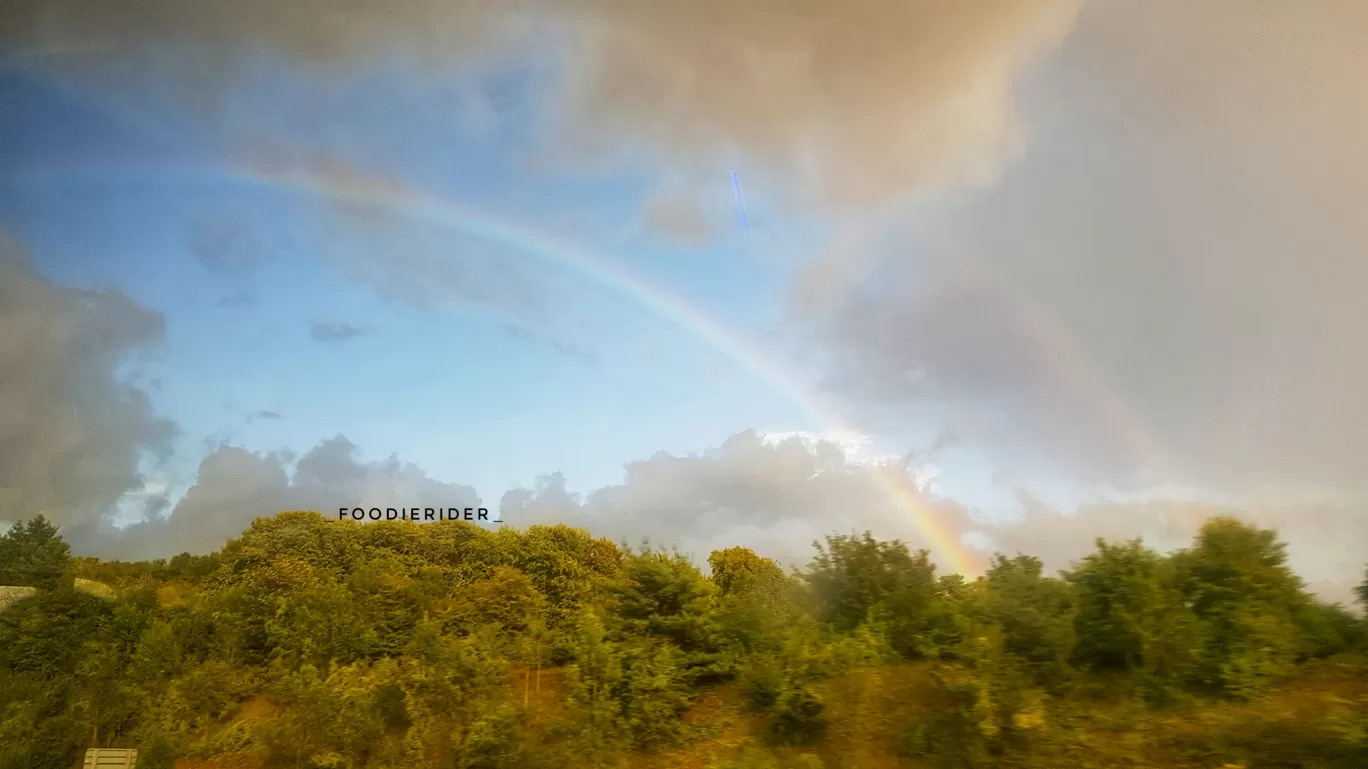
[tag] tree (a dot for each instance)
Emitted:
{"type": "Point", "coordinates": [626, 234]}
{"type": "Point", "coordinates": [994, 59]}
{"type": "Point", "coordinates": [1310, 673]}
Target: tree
{"type": "Point", "coordinates": [1035, 613]}
{"type": "Point", "coordinates": [1236, 580]}
{"type": "Point", "coordinates": [653, 693]}
{"type": "Point", "coordinates": [33, 554]}
{"type": "Point", "coordinates": [1233, 564]}
{"type": "Point", "coordinates": [507, 600]}
{"type": "Point", "coordinates": [738, 570]}
{"type": "Point", "coordinates": [859, 578]}
{"type": "Point", "coordinates": [1130, 614]}
{"type": "Point", "coordinates": [592, 680]}
{"type": "Point", "coordinates": [664, 595]}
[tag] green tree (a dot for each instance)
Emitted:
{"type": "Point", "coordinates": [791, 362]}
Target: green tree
{"type": "Point", "coordinates": [1233, 564]}
{"type": "Point", "coordinates": [592, 682]}
{"type": "Point", "coordinates": [737, 570]}
{"type": "Point", "coordinates": [859, 578]}
{"type": "Point", "coordinates": [33, 554]}
{"type": "Point", "coordinates": [653, 694]}
{"type": "Point", "coordinates": [664, 595]}
{"type": "Point", "coordinates": [319, 625]}
{"type": "Point", "coordinates": [507, 601]}
{"type": "Point", "coordinates": [797, 717]}
{"type": "Point", "coordinates": [449, 682]}
{"type": "Point", "coordinates": [1236, 579]}
{"type": "Point", "coordinates": [1132, 617]}
{"type": "Point", "coordinates": [1035, 613]}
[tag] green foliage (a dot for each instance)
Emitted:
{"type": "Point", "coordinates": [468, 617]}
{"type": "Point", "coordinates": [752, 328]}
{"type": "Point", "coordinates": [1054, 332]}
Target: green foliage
{"type": "Point", "coordinates": [797, 717]}
{"type": "Point", "coordinates": [1329, 629]}
{"type": "Point", "coordinates": [314, 643]}
{"type": "Point", "coordinates": [1237, 582]}
{"type": "Point", "coordinates": [491, 742]}
{"type": "Point", "coordinates": [1260, 651]}
{"type": "Point", "coordinates": [1132, 617]}
{"type": "Point", "coordinates": [856, 579]}
{"type": "Point", "coordinates": [1234, 564]}
{"type": "Point", "coordinates": [738, 570]}
{"type": "Point", "coordinates": [32, 554]}
{"type": "Point", "coordinates": [653, 695]}
{"type": "Point", "coordinates": [1034, 613]}
{"type": "Point", "coordinates": [663, 595]}
{"type": "Point", "coordinates": [764, 680]}
{"type": "Point", "coordinates": [963, 727]}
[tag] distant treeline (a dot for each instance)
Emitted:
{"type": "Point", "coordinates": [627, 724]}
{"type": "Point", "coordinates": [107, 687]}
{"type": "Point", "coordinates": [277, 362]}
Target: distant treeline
{"type": "Point", "coordinates": [309, 642]}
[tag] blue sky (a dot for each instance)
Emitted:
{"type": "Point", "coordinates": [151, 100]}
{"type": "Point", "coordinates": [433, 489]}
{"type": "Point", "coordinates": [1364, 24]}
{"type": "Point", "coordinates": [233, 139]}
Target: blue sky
{"type": "Point", "coordinates": [1053, 262]}
{"type": "Point", "coordinates": [100, 203]}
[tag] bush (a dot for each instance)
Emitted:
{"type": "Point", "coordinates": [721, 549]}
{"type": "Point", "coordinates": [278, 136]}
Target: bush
{"type": "Point", "coordinates": [763, 680]}
{"type": "Point", "coordinates": [1261, 650]}
{"type": "Point", "coordinates": [492, 743]}
{"type": "Point", "coordinates": [798, 718]}
{"type": "Point", "coordinates": [156, 751]}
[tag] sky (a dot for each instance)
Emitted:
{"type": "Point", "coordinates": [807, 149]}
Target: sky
{"type": "Point", "coordinates": [1012, 276]}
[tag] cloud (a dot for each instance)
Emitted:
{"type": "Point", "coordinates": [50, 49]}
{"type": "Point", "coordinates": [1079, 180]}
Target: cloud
{"type": "Point", "coordinates": [155, 506]}
{"type": "Point", "coordinates": [333, 332]}
{"type": "Point", "coordinates": [846, 103]}
{"type": "Point", "coordinates": [1167, 288]}
{"type": "Point", "coordinates": [264, 414]}
{"type": "Point", "coordinates": [778, 496]}
{"type": "Point", "coordinates": [775, 496]}
{"type": "Point", "coordinates": [849, 104]}
{"type": "Point", "coordinates": [71, 431]}
{"type": "Point", "coordinates": [1330, 562]}
{"type": "Point", "coordinates": [235, 486]}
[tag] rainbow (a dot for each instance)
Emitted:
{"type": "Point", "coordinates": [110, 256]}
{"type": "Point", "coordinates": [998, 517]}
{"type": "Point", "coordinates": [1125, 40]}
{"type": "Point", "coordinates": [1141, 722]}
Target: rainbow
{"type": "Point", "coordinates": [349, 187]}
{"type": "Point", "coordinates": [892, 481]}
{"type": "Point", "coordinates": [1036, 324]}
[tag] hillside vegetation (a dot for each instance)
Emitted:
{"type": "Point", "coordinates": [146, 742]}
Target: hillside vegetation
{"type": "Point", "coordinates": [309, 643]}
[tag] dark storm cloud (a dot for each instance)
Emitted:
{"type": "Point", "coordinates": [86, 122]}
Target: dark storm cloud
{"type": "Point", "coordinates": [1169, 286]}
{"type": "Point", "coordinates": [71, 432]}
{"type": "Point", "coordinates": [331, 332]}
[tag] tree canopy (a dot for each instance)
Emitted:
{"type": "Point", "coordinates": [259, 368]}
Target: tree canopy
{"type": "Point", "coordinates": [307, 642]}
